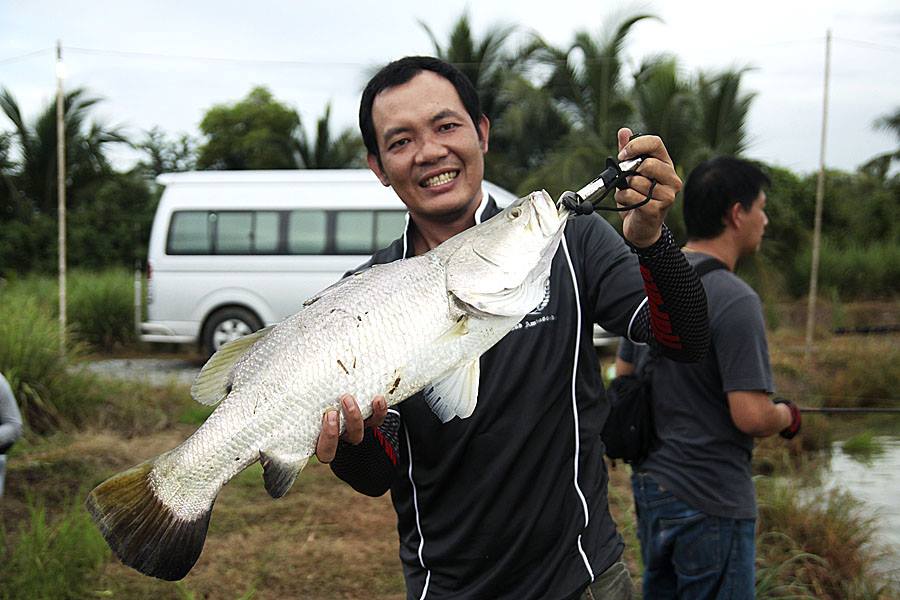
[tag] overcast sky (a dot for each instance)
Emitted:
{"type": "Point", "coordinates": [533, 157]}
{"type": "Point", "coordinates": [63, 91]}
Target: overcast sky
{"type": "Point", "coordinates": [164, 63]}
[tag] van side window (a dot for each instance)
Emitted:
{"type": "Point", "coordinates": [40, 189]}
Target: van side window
{"type": "Point", "coordinates": [353, 232]}
{"type": "Point", "coordinates": [307, 232]}
{"type": "Point", "coordinates": [234, 234]}
{"type": "Point", "coordinates": [389, 225]}
{"type": "Point", "coordinates": [190, 232]}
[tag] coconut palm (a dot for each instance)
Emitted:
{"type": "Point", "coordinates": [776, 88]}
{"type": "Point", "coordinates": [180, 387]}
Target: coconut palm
{"type": "Point", "coordinates": [33, 175]}
{"type": "Point", "coordinates": [666, 105]}
{"type": "Point", "coordinates": [722, 114]}
{"type": "Point", "coordinates": [587, 80]}
{"type": "Point", "coordinates": [880, 165]}
{"type": "Point", "coordinates": [323, 152]}
{"type": "Point", "coordinates": [485, 62]}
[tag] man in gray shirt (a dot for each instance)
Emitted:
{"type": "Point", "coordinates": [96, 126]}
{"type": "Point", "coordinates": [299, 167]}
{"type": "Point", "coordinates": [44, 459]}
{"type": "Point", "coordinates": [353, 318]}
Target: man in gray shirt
{"type": "Point", "coordinates": [10, 425]}
{"type": "Point", "coordinates": [694, 495]}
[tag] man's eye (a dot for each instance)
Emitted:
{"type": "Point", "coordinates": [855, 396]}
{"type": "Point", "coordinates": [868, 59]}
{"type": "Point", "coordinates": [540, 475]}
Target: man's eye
{"type": "Point", "coordinates": [398, 144]}
{"type": "Point", "coordinates": [448, 126]}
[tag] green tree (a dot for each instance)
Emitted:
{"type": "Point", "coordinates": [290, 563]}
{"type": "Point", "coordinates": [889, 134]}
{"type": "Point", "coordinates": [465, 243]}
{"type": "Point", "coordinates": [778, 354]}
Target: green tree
{"type": "Point", "coordinates": [257, 132]}
{"type": "Point", "coordinates": [485, 62]}
{"type": "Point", "coordinates": [164, 155]}
{"type": "Point", "coordinates": [880, 165]}
{"type": "Point", "coordinates": [344, 152]}
{"type": "Point", "coordinates": [29, 171]}
{"type": "Point", "coordinates": [722, 112]}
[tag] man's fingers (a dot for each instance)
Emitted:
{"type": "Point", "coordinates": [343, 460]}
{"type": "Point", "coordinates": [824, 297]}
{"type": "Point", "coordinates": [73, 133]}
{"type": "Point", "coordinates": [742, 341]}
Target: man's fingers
{"type": "Point", "coordinates": [379, 411]}
{"type": "Point", "coordinates": [353, 422]}
{"type": "Point", "coordinates": [661, 171]}
{"type": "Point", "coordinates": [623, 136]}
{"type": "Point", "coordinates": [326, 446]}
{"type": "Point", "coordinates": [645, 145]}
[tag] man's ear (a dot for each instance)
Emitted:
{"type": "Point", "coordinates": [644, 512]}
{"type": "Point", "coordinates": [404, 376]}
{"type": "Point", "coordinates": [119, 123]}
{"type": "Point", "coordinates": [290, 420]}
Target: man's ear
{"type": "Point", "coordinates": [375, 166]}
{"type": "Point", "coordinates": [484, 130]}
{"type": "Point", "coordinates": [734, 216]}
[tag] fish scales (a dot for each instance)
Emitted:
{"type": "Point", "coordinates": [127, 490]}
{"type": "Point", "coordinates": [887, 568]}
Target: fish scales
{"type": "Point", "coordinates": [391, 330]}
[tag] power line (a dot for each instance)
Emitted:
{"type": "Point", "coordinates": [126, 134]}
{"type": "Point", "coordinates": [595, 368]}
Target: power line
{"type": "Point", "coordinates": [214, 59]}
{"type": "Point", "coordinates": [24, 56]}
{"type": "Point", "coordinates": [873, 45]}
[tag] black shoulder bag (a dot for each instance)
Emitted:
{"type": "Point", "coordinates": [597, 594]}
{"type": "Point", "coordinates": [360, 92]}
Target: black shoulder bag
{"type": "Point", "coordinates": [629, 432]}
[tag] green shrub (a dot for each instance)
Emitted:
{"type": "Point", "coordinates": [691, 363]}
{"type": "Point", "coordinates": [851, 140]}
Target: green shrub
{"type": "Point", "coordinates": [48, 394]}
{"type": "Point", "coordinates": [101, 307]}
{"type": "Point", "coordinates": [55, 560]}
{"type": "Point", "coordinates": [854, 270]}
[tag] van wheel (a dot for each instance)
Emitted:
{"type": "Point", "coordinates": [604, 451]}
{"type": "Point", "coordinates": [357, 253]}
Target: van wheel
{"type": "Point", "coordinates": [226, 325]}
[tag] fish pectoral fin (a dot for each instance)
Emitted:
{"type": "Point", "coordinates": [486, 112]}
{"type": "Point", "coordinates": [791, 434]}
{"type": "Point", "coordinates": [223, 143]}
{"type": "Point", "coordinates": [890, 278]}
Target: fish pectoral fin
{"type": "Point", "coordinates": [211, 385]}
{"type": "Point", "coordinates": [280, 471]}
{"type": "Point", "coordinates": [455, 394]}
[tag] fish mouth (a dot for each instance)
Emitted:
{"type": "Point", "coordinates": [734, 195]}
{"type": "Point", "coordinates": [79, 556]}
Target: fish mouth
{"type": "Point", "coordinates": [437, 179]}
{"type": "Point", "coordinates": [546, 213]}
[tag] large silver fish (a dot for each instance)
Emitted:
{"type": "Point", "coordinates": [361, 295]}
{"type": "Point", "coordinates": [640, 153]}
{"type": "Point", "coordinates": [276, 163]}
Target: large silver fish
{"type": "Point", "coordinates": [394, 329]}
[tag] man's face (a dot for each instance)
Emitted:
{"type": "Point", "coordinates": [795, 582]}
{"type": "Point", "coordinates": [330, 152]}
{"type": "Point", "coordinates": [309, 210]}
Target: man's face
{"type": "Point", "coordinates": [431, 153]}
{"type": "Point", "coordinates": [753, 225]}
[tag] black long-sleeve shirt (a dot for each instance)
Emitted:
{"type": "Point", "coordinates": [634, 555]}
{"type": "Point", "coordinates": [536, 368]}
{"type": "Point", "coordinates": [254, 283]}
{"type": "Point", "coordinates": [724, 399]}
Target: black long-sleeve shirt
{"type": "Point", "coordinates": [512, 502]}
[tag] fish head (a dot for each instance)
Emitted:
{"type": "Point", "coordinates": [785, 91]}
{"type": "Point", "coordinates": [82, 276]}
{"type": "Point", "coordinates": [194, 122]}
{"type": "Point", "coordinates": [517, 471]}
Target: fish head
{"type": "Point", "coordinates": [500, 267]}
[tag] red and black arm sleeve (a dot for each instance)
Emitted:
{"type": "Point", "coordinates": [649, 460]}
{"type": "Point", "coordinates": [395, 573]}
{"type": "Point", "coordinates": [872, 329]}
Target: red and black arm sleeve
{"type": "Point", "coordinates": [370, 466]}
{"type": "Point", "coordinates": [674, 320]}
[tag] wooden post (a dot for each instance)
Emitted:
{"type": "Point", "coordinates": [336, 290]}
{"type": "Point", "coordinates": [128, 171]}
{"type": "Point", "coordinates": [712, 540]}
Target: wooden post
{"type": "Point", "coordinates": [61, 194]}
{"type": "Point", "coordinates": [817, 227]}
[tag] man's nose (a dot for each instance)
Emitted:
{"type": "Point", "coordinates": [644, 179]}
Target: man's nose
{"type": "Point", "coordinates": [431, 150]}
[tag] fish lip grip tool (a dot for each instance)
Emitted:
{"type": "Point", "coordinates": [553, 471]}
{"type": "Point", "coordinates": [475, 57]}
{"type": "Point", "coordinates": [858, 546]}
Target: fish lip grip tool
{"type": "Point", "coordinates": [614, 176]}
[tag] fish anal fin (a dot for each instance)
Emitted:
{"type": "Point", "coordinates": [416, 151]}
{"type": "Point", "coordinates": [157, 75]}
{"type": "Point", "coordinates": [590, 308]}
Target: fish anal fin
{"type": "Point", "coordinates": [211, 385]}
{"type": "Point", "coordinates": [455, 394]}
{"type": "Point", "coordinates": [141, 530]}
{"type": "Point", "coordinates": [280, 471]}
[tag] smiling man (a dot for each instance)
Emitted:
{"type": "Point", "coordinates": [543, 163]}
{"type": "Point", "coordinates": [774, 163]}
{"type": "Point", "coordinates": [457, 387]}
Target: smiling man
{"type": "Point", "coordinates": [512, 501]}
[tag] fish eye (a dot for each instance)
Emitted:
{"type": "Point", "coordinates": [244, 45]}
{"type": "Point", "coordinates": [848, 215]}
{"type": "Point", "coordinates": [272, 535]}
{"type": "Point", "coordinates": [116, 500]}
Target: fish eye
{"type": "Point", "coordinates": [515, 213]}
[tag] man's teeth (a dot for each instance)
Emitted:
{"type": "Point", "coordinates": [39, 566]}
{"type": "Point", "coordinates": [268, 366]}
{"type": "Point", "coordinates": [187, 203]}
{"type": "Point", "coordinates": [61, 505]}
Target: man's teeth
{"type": "Point", "coordinates": [440, 179]}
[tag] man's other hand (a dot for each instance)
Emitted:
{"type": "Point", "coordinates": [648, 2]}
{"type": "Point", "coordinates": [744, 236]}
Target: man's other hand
{"type": "Point", "coordinates": [354, 426]}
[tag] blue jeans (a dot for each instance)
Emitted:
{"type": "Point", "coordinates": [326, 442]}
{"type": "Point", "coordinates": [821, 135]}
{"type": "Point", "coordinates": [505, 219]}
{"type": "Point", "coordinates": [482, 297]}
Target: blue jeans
{"type": "Point", "coordinates": [688, 553]}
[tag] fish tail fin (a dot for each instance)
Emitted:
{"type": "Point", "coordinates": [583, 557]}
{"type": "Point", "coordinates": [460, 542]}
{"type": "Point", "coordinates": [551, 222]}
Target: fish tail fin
{"type": "Point", "coordinates": [143, 532]}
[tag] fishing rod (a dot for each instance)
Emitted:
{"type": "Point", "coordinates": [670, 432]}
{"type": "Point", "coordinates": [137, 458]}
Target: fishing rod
{"type": "Point", "coordinates": [827, 410]}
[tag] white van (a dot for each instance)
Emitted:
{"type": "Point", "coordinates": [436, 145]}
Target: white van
{"type": "Point", "coordinates": [233, 251]}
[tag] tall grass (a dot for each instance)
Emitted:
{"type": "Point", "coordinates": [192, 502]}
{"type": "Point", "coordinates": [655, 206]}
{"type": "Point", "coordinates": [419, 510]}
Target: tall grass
{"type": "Point", "coordinates": [51, 560]}
{"type": "Point", "coordinates": [102, 308]}
{"type": "Point", "coordinates": [100, 304]}
{"type": "Point", "coordinates": [48, 394]}
{"type": "Point", "coordinates": [818, 544]}
{"type": "Point", "coordinates": [854, 271]}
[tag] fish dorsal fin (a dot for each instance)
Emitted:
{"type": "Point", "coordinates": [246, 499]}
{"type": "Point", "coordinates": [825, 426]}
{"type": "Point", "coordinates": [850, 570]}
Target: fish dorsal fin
{"type": "Point", "coordinates": [280, 471]}
{"type": "Point", "coordinates": [455, 394]}
{"type": "Point", "coordinates": [212, 383]}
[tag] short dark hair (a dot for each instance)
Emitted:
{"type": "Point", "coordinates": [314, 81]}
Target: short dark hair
{"type": "Point", "coordinates": [399, 72]}
{"type": "Point", "coordinates": [712, 189]}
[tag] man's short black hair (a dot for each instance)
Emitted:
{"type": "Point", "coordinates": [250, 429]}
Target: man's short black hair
{"type": "Point", "coordinates": [712, 189]}
{"type": "Point", "coordinates": [399, 72]}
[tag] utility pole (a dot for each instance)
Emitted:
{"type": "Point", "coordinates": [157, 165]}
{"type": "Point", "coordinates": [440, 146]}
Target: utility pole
{"type": "Point", "coordinates": [61, 194]}
{"type": "Point", "coordinates": [820, 195]}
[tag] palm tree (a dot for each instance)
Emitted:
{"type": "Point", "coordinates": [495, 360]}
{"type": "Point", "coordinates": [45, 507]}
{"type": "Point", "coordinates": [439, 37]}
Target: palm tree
{"type": "Point", "coordinates": [722, 111]}
{"type": "Point", "coordinates": [880, 165]}
{"type": "Point", "coordinates": [666, 105]}
{"type": "Point", "coordinates": [323, 152]}
{"type": "Point", "coordinates": [587, 80]}
{"type": "Point", "coordinates": [34, 173]}
{"type": "Point", "coordinates": [485, 62]}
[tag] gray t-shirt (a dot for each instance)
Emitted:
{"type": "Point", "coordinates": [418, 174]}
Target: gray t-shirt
{"type": "Point", "coordinates": [10, 418]}
{"type": "Point", "coordinates": [701, 456]}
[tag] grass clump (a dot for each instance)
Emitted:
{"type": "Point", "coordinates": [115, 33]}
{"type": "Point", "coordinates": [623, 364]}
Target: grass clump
{"type": "Point", "coordinates": [49, 395]}
{"type": "Point", "coordinates": [51, 560]}
{"type": "Point", "coordinates": [821, 544]}
{"type": "Point", "coordinates": [863, 446]}
{"type": "Point", "coordinates": [102, 308]}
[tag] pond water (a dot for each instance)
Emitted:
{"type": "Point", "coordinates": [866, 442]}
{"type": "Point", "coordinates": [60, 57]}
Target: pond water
{"type": "Point", "coordinates": [875, 481]}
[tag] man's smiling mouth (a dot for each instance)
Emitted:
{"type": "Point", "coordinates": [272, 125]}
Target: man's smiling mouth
{"type": "Point", "coordinates": [440, 179]}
